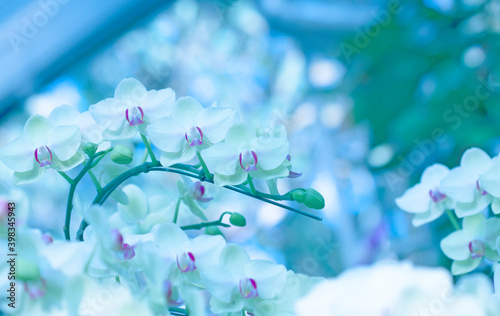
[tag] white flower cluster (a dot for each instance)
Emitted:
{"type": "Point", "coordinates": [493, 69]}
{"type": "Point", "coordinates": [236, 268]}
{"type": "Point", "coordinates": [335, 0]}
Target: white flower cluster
{"type": "Point", "coordinates": [181, 129]}
{"type": "Point", "coordinates": [399, 289]}
{"type": "Point", "coordinates": [136, 247]}
{"type": "Point", "coordinates": [468, 190]}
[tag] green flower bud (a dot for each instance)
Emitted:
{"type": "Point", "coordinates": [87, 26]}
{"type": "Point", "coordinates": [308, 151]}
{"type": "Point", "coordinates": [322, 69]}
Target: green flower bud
{"type": "Point", "coordinates": [314, 199]}
{"type": "Point", "coordinates": [122, 155]}
{"type": "Point", "coordinates": [26, 271]}
{"type": "Point", "coordinates": [237, 220]}
{"type": "Point", "coordinates": [212, 230]}
{"type": "Point", "coordinates": [89, 148]}
{"type": "Point", "coordinates": [299, 195]}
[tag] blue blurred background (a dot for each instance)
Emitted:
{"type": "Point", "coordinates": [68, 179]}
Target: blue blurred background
{"type": "Point", "coordinates": [371, 93]}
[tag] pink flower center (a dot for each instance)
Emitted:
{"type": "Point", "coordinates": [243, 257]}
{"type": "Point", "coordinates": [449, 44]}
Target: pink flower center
{"type": "Point", "coordinates": [134, 116]}
{"type": "Point", "coordinates": [125, 251]}
{"type": "Point", "coordinates": [199, 192]}
{"type": "Point", "coordinates": [172, 299]}
{"type": "Point", "coordinates": [480, 188]}
{"type": "Point", "coordinates": [194, 136]}
{"type": "Point", "coordinates": [248, 160]}
{"type": "Point", "coordinates": [248, 288]}
{"type": "Point", "coordinates": [43, 156]}
{"type": "Point", "coordinates": [437, 196]}
{"type": "Point", "coordinates": [476, 248]}
{"type": "Point", "coordinates": [35, 289]}
{"type": "Point", "coordinates": [186, 262]}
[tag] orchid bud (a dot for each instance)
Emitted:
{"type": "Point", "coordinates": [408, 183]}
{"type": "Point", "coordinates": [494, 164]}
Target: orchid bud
{"type": "Point", "coordinates": [89, 148]}
{"type": "Point", "coordinates": [122, 155]}
{"type": "Point", "coordinates": [237, 219]}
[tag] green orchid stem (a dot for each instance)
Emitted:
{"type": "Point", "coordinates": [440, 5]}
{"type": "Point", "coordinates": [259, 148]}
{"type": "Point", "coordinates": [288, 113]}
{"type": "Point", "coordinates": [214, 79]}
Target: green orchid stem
{"type": "Point", "coordinates": [453, 220]}
{"type": "Point", "coordinates": [250, 183]}
{"type": "Point", "coordinates": [148, 147]}
{"type": "Point", "coordinates": [66, 177]}
{"type": "Point", "coordinates": [101, 155]}
{"type": "Point", "coordinates": [72, 188]}
{"type": "Point", "coordinates": [207, 173]}
{"type": "Point", "coordinates": [176, 214]}
{"type": "Point", "coordinates": [144, 157]}
{"type": "Point", "coordinates": [182, 170]}
{"type": "Point", "coordinates": [206, 224]}
{"type": "Point", "coordinates": [96, 182]}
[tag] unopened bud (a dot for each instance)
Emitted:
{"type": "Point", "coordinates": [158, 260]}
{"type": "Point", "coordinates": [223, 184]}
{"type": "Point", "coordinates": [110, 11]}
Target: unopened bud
{"type": "Point", "coordinates": [237, 220]}
{"type": "Point", "coordinates": [122, 155]}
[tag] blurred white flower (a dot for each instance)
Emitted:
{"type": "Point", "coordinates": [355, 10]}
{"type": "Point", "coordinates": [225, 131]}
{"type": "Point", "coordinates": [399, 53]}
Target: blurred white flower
{"type": "Point", "coordinates": [132, 107]}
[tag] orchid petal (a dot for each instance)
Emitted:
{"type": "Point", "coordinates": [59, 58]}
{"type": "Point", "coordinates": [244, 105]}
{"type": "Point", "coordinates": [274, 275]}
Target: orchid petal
{"type": "Point", "coordinates": [465, 266]}
{"type": "Point", "coordinates": [109, 113]}
{"type": "Point", "coordinates": [435, 211]}
{"type": "Point", "coordinates": [490, 180]}
{"type": "Point", "coordinates": [221, 158]}
{"type": "Point", "coordinates": [185, 155]}
{"type": "Point", "coordinates": [415, 200]}
{"type": "Point", "coordinates": [137, 206]}
{"type": "Point", "coordinates": [18, 155]}
{"type": "Point", "coordinates": [475, 161]}
{"type": "Point", "coordinates": [29, 176]}
{"type": "Point", "coordinates": [64, 141]}
{"type": "Point", "coordinates": [131, 91]}
{"type": "Point", "coordinates": [238, 178]}
{"type": "Point", "coordinates": [215, 122]}
{"type": "Point", "coordinates": [433, 175]}
{"type": "Point", "coordinates": [158, 104]}
{"type": "Point", "coordinates": [74, 161]}
{"type": "Point", "coordinates": [167, 134]}
{"type": "Point", "coordinates": [36, 130]}
{"type": "Point", "coordinates": [170, 238]}
{"type": "Point", "coordinates": [474, 223]}
{"type": "Point", "coordinates": [186, 111]}
{"type": "Point", "coordinates": [220, 283]}
{"type": "Point", "coordinates": [459, 185]}
{"type": "Point", "coordinates": [234, 258]}
{"type": "Point", "coordinates": [468, 209]}
{"type": "Point", "coordinates": [270, 151]}
{"type": "Point", "coordinates": [63, 115]}
{"type": "Point", "coordinates": [239, 137]}
{"type": "Point", "coordinates": [91, 132]}
{"type": "Point", "coordinates": [270, 277]}
{"type": "Point", "coordinates": [456, 245]}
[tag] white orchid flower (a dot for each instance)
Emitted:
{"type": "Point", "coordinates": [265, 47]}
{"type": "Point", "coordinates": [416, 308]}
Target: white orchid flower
{"type": "Point", "coordinates": [69, 115]}
{"type": "Point", "coordinates": [244, 153]}
{"type": "Point", "coordinates": [468, 246]}
{"type": "Point", "coordinates": [426, 199]}
{"type": "Point", "coordinates": [190, 129]}
{"type": "Point", "coordinates": [191, 255]}
{"type": "Point", "coordinates": [238, 281]}
{"type": "Point", "coordinates": [463, 183]}
{"type": "Point", "coordinates": [132, 107]}
{"type": "Point", "coordinates": [42, 145]}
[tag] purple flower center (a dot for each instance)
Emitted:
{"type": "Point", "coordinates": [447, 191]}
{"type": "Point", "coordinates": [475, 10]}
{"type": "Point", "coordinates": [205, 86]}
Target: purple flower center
{"type": "Point", "coordinates": [476, 248]}
{"type": "Point", "coordinates": [437, 196]}
{"type": "Point", "coordinates": [134, 116]}
{"type": "Point", "coordinates": [43, 156]}
{"type": "Point", "coordinates": [248, 288]}
{"type": "Point", "coordinates": [199, 192]}
{"type": "Point", "coordinates": [480, 188]}
{"type": "Point", "coordinates": [186, 262]}
{"type": "Point", "coordinates": [194, 136]}
{"type": "Point", "coordinates": [248, 160]}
